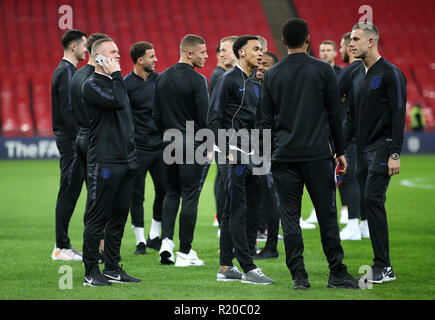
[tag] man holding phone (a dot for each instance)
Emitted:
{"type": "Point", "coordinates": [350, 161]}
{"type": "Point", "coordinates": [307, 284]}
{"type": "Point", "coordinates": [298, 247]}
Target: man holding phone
{"type": "Point", "coordinates": [112, 166]}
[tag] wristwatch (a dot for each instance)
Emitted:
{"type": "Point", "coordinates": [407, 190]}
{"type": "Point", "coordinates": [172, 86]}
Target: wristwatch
{"type": "Point", "coordinates": [395, 156]}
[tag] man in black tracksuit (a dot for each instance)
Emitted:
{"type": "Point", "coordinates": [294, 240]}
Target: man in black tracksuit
{"type": "Point", "coordinates": [112, 166]}
{"type": "Point", "coordinates": [181, 96]}
{"type": "Point", "coordinates": [349, 187]}
{"type": "Point", "coordinates": [226, 55]}
{"type": "Point", "coordinates": [65, 130]}
{"type": "Point", "coordinates": [300, 102]}
{"type": "Point", "coordinates": [376, 116]}
{"type": "Point", "coordinates": [80, 115]}
{"type": "Point", "coordinates": [235, 105]}
{"type": "Point", "coordinates": [141, 84]}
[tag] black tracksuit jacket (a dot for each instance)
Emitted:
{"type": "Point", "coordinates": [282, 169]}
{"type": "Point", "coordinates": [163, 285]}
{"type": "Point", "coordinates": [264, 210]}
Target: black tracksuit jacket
{"type": "Point", "coordinates": [301, 106]}
{"type": "Point", "coordinates": [111, 136]}
{"type": "Point", "coordinates": [377, 107]}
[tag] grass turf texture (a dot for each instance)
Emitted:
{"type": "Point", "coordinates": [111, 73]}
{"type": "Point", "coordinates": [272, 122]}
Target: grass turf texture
{"type": "Point", "coordinates": [28, 192]}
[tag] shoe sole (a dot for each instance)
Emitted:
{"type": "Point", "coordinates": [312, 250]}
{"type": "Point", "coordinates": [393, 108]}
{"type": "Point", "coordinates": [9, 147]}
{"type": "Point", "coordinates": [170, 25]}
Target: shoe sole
{"type": "Point", "coordinates": [123, 282]}
{"type": "Point", "coordinates": [227, 280]}
{"type": "Point", "coordinates": [260, 283]}
{"type": "Point", "coordinates": [382, 281]}
{"type": "Point", "coordinates": [86, 284]}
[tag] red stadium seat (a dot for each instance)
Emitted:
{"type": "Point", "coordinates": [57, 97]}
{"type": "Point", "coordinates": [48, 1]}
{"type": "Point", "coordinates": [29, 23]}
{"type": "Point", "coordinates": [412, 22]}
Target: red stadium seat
{"type": "Point", "coordinates": [7, 109]}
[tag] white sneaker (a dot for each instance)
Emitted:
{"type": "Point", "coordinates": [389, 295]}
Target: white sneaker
{"type": "Point", "coordinates": [66, 254]}
{"type": "Point", "coordinates": [364, 227]}
{"type": "Point", "coordinates": [186, 260]}
{"type": "Point", "coordinates": [312, 218]}
{"type": "Point", "coordinates": [344, 215]}
{"type": "Point", "coordinates": [167, 251]}
{"type": "Point", "coordinates": [306, 225]}
{"type": "Point", "coordinates": [350, 233]}
{"type": "Point", "coordinates": [219, 233]}
{"type": "Point", "coordinates": [215, 221]}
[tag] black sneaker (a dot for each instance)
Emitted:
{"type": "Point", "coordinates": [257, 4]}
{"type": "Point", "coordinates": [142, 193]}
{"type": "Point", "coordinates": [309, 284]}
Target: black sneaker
{"type": "Point", "coordinates": [141, 248]}
{"type": "Point", "coordinates": [155, 243]}
{"type": "Point", "coordinates": [119, 276]}
{"type": "Point", "coordinates": [345, 281]}
{"type": "Point", "coordinates": [266, 253]}
{"type": "Point", "coordinates": [301, 283]}
{"type": "Point", "coordinates": [95, 278]}
{"type": "Point", "coordinates": [381, 275]}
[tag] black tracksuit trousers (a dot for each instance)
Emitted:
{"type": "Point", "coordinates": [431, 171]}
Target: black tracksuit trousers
{"type": "Point", "coordinates": [110, 187]}
{"type": "Point", "coordinates": [151, 162]}
{"type": "Point", "coordinates": [219, 191]}
{"type": "Point", "coordinates": [240, 185]}
{"type": "Point", "coordinates": [185, 181]}
{"type": "Point", "coordinates": [374, 179]}
{"type": "Point", "coordinates": [318, 177]}
{"type": "Point", "coordinates": [349, 187]}
{"type": "Point", "coordinates": [71, 182]}
{"type": "Point", "coordinates": [263, 204]}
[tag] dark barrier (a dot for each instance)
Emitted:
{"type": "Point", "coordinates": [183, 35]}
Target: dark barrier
{"type": "Point", "coordinates": [419, 142]}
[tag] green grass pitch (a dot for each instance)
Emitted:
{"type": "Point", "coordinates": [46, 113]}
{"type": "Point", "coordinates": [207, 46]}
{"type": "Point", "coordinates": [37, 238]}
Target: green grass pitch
{"type": "Point", "coordinates": [28, 192]}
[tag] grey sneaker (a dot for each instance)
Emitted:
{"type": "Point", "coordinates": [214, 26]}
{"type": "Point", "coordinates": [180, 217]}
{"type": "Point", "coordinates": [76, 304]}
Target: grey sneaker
{"type": "Point", "coordinates": [232, 274]}
{"type": "Point", "coordinates": [256, 276]}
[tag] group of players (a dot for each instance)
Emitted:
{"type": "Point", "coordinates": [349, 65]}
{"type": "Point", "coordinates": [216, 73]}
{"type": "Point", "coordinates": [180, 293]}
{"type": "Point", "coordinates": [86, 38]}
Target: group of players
{"type": "Point", "coordinates": [109, 132]}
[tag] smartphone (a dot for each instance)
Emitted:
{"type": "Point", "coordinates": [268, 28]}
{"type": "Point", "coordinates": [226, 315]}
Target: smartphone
{"type": "Point", "coordinates": [99, 59]}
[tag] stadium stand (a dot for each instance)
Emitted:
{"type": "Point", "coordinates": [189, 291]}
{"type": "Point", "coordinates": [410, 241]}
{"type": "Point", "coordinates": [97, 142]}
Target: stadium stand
{"type": "Point", "coordinates": [32, 50]}
{"type": "Point", "coordinates": [406, 38]}
{"type": "Point", "coordinates": [31, 34]}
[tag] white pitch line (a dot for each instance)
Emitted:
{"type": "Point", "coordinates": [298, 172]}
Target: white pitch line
{"type": "Point", "coordinates": [418, 183]}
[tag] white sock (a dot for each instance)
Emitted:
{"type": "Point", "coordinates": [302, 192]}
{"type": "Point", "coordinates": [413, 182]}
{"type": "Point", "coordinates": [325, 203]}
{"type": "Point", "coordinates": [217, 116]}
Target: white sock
{"type": "Point", "coordinates": [353, 223]}
{"type": "Point", "coordinates": [364, 224]}
{"type": "Point", "coordinates": [156, 226]}
{"type": "Point", "coordinates": [138, 232]}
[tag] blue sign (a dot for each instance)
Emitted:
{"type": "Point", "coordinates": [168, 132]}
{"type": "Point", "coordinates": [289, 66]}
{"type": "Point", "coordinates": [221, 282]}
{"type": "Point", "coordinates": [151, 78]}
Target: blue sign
{"type": "Point", "coordinates": [28, 148]}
